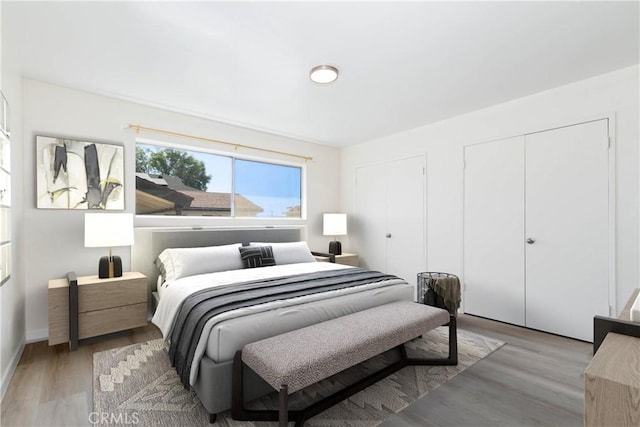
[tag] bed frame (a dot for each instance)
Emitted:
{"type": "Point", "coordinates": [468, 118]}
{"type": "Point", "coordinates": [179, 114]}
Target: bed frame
{"type": "Point", "coordinates": [214, 382]}
{"type": "Point", "coordinates": [213, 385]}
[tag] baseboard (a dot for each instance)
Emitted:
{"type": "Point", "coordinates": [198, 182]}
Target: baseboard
{"type": "Point", "coordinates": [11, 369]}
{"type": "Point", "coordinates": [37, 335]}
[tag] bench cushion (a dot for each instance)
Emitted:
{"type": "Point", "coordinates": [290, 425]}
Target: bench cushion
{"type": "Point", "coordinates": [305, 356]}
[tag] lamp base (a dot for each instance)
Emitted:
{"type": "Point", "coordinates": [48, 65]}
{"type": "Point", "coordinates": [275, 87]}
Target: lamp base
{"type": "Point", "coordinates": [108, 269]}
{"type": "Point", "coordinates": [335, 248]}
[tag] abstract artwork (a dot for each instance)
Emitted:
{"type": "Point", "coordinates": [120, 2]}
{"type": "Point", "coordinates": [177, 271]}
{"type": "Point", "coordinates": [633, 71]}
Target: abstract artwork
{"type": "Point", "coordinates": [76, 174]}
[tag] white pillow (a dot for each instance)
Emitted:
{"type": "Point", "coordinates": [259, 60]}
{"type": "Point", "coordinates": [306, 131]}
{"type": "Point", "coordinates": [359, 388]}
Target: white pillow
{"type": "Point", "coordinates": [288, 253]}
{"type": "Point", "coordinates": [175, 263]}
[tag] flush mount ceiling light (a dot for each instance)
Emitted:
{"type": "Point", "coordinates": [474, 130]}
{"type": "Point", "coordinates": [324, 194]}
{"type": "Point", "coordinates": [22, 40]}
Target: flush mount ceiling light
{"type": "Point", "coordinates": [323, 74]}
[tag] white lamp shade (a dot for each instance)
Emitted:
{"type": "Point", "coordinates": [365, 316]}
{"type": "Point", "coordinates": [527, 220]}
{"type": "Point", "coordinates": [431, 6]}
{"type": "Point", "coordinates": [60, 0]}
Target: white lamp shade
{"type": "Point", "coordinates": [106, 230]}
{"type": "Point", "coordinates": [334, 224]}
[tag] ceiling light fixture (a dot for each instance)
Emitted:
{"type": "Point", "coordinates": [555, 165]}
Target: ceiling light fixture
{"type": "Point", "coordinates": [323, 74]}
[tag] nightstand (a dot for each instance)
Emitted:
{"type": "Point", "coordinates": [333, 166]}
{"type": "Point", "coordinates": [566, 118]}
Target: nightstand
{"type": "Point", "coordinates": [104, 306]}
{"type": "Point", "coordinates": [345, 258]}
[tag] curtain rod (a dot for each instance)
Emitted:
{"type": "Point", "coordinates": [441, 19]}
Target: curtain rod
{"type": "Point", "coordinates": [139, 128]}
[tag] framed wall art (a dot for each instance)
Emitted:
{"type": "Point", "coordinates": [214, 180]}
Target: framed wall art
{"type": "Point", "coordinates": [75, 174]}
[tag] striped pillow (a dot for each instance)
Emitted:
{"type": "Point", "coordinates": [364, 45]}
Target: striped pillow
{"type": "Point", "coordinates": [257, 256]}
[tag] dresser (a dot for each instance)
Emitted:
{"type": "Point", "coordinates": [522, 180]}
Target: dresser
{"type": "Point", "coordinates": [612, 380]}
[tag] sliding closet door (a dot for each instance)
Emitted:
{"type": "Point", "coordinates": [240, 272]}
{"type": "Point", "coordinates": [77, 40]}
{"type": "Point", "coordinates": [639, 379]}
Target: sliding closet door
{"type": "Point", "coordinates": [494, 230]}
{"type": "Point", "coordinates": [567, 229]}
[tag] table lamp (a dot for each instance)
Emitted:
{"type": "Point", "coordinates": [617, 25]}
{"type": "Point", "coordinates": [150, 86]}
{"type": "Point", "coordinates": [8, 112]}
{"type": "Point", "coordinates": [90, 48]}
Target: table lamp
{"type": "Point", "coordinates": [334, 224]}
{"type": "Point", "coordinates": [106, 230]}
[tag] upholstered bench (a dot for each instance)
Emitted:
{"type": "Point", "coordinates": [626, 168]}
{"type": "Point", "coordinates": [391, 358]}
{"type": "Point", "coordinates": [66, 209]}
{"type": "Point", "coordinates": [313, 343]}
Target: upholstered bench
{"type": "Point", "coordinates": [297, 359]}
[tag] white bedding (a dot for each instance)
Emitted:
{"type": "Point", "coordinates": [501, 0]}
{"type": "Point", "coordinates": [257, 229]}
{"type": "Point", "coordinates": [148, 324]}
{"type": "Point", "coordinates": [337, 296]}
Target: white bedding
{"type": "Point", "coordinates": [160, 287]}
{"type": "Point", "coordinates": [228, 332]}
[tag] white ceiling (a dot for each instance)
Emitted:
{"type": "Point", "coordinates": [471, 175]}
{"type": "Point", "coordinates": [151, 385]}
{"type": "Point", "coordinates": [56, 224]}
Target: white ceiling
{"type": "Point", "coordinates": [402, 65]}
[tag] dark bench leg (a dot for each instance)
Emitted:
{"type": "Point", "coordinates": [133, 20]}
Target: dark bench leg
{"type": "Point", "coordinates": [452, 359]}
{"type": "Point", "coordinates": [453, 339]}
{"type": "Point", "coordinates": [284, 406]}
{"type": "Point", "coordinates": [240, 413]}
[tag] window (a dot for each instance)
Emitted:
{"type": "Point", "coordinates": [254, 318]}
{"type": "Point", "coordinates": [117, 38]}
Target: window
{"type": "Point", "coordinates": [275, 188]}
{"type": "Point", "coordinates": [171, 181]}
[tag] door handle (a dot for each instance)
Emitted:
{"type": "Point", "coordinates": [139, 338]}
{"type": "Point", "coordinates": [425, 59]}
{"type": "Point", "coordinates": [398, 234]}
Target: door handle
{"type": "Point", "coordinates": [531, 240]}
{"type": "Point", "coordinates": [388, 236]}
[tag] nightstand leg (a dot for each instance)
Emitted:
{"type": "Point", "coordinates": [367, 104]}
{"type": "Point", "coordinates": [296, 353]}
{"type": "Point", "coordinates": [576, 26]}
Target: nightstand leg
{"type": "Point", "coordinates": [73, 310]}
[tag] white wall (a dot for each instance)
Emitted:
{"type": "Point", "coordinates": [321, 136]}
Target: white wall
{"type": "Point", "coordinates": [54, 239]}
{"type": "Point", "coordinates": [615, 92]}
{"type": "Point", "coordinates": [12, 313]}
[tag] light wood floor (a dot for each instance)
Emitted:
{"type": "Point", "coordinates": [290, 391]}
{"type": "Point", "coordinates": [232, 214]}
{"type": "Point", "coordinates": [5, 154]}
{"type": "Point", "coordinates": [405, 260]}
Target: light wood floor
{"type": "Point", "coordinates": [536, 379]}
{"type": "Point", "coordinates": [53, 386]}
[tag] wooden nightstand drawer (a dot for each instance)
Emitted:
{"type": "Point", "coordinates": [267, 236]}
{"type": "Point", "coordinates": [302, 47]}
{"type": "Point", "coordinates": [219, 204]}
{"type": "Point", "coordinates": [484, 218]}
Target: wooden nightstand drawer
{"type": "Point", "coordinates": [98, 294]}
{"type": "Point", "coordinates": [344, 258]}
{"type": "Point", "coordinates": [109, 320]}
{"type": "Point", "coordinates": [104, 306]}
{"type": "Point", "coordinates": [348, 259]}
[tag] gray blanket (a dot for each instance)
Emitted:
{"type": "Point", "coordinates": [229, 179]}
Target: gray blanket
{"type": "Point", "coordinates": [201, 306]}
{"type": "Point", "coordinates": [449, 289]}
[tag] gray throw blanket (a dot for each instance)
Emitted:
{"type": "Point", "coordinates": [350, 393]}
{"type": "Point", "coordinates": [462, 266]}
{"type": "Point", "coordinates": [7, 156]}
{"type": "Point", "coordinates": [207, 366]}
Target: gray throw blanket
{"type": "Point", "coordinates": [449, 290]}
{"type": "Point", "coordinates": [201, 306]}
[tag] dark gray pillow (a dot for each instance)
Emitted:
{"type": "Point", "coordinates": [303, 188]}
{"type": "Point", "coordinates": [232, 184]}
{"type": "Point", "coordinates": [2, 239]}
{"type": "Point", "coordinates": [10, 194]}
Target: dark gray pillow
{"type": "Point", "coordinates": [257, 256]}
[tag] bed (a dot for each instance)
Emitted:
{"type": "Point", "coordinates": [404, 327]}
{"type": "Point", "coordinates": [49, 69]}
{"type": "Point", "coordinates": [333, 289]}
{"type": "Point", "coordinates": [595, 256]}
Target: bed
{"type": "Point", "coordinates": [213, 346]}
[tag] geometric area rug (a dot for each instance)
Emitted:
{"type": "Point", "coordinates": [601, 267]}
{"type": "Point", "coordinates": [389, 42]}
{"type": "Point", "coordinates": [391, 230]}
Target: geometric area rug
{"type": "Point", "coordinates": [136, 385]}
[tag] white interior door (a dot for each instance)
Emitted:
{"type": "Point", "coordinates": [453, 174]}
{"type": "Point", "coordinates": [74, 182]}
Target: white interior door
{"type": "Point", "coordinates": [406, 254]}
{"type": "Point", "coordinates": [494, 230]}
{"type": "Point", "coordinates": [371, 205]}
{"type": "Point", "coordinates": [567, 216]}
{"type": "Point", "coordinates": [390, 209]}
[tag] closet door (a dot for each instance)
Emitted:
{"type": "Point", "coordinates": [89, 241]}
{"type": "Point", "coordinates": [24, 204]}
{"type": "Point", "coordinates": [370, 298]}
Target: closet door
{"type": "Point", "coordinates": [567, 257]}
{"type": "Point", "coordinates": [494, 230]}
{"type": "Point", "coordinates": [406, 254]}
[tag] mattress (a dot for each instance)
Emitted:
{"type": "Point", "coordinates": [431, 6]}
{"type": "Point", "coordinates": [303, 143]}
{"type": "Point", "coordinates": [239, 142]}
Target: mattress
{"type": "Point", "coordinates": [224, 334]}
{"type": "Point", "coordinates": [259, 322]}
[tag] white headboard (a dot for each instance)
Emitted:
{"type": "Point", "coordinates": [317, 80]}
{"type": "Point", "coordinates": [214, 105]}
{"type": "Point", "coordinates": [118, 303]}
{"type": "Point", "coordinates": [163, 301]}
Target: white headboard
{"type": "Point", "coordinates": [150, 241]}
